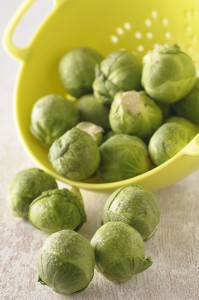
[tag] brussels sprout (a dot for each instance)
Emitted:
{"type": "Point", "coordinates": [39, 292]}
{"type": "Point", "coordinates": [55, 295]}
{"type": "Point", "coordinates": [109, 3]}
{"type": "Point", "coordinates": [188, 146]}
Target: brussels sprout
{"type": "Point", "coordinates": [188, 107]}
{"type": "Point", "coordinates": [119, 71]}
{"type": "Point", "coordinates": [184, 122]}
{"type": "Point", "coordinates": [168, 74]}
{"type": "Point", "coordinates": [92, 110]}
{"type": "Point", "coordinates": [75, 155]}
{"type": "Point", "coordinates": [51, 117]}
{"type": "Point", "coordinates": [123, 156]}
{"type": "Point", "coordinates": [135, 206]}
{"type": "Point", "coordinates": [55, 210]}
{"type": "Point", "coordinates": [77, 70]}
{"type": "Point", "coordinates": [168, 140]}
{"type": "Point", "coordinates": [119, 251]}
{"type": "Point", "coordinates": [25, 187]}
{"type": "Point", "coordinates": [134, 113]}
{"type": "Point", "coordinates": [66, 262]}
{"type": "Point", "coordinates": [96, 132]}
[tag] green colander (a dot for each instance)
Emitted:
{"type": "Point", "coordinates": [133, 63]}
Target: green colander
{"type": "Point", "coordinates": [105, 25]}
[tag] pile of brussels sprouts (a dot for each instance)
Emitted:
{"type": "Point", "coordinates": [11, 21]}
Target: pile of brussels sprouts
{"type": "Point", "coordinates": [67, 259]}
{"type": "Point", "coordinates": [128, 116]}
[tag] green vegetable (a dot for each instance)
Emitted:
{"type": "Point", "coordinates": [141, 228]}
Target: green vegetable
{"type": "Point", "coordinates": [95, 131]}
{"type": "Point", "coordinates": [184, 122]}
{"type": "Point", "coordinates": [188, 107]}
{"type": "Point", "coordinates": [55, 210]}
{"type": "Point", "coordinates": [92, 110]}
{"type": "Point", "coordinates": [119, 71]}
{"type": "Point", "coordinates": [168, 74]}
{"type": "Point", "coordinates": [77, 70]}
{"type": "Point", "coordinates": [135, 206]}
{"type": "Point", "coordinates": [25, 186]}
{"type": "Point", "coordinates": [123, 156]}
{"type": "Point", "coordinates": [168, 140]}
{"type": "Point", "coordinates": [75, 155]}
{"type": "Point", "coordinates": [119, 251]}
{"type": "Point", "coordinates": [135, 113]}
{"type": "Point", "coordinates": [51, 117]}
{"type": "Point", "coordinates": [66, 262]}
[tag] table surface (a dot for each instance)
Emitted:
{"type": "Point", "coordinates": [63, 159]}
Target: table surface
{"type": "Point", "coordinates": [174, 248]}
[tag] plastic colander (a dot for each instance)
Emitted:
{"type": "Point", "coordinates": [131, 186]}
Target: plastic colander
{"type": "Point", "coordinates": [105, 25]}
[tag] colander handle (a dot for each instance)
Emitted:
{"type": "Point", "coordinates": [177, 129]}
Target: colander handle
{"type": "Point", "coordinates": [17, 52]}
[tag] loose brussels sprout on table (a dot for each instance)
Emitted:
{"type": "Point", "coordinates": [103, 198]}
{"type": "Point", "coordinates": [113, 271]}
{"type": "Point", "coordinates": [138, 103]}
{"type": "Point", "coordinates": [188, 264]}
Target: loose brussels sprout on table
{"type": "Point", "coordinates": [77, 70]}
{"type": "Point", "coordinates": [168, 140]}
{"type": "Point", "coordinates": [188, 107]}
{"type": "Point", "coordinates": [119, 71]}
{"type": "Point", "coordinates": [95, 131]}
{"type": "Point", "coordinates": [135, 206]}
{"type": "Point", "coordinates": [168, 74]}
{"type": "Point", "coordinates": [25, 187]}
{"type": "Point", "coordinates": [51, 117]}
{"type": "Point", "coordinates": [56, 209]}
{"type": "Point", "coordinates": [75, 155]}
{"type": "Point", "coordinates": [135, 113]}
{"type": "Point", "coordinates": [66, 262]}
{"type": "Point", "coordinates": [92, 110]}
{"type": "Point", "coordinates": [123, 156]}
{"type": "Point", "coordinates": [119, 251]}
